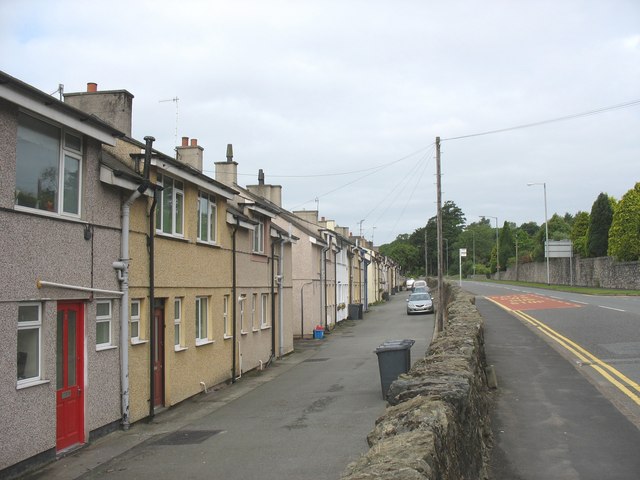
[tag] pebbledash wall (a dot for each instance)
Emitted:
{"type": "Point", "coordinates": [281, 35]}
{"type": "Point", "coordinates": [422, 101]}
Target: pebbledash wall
{"type": "Point", "coordinates": [604, 272]}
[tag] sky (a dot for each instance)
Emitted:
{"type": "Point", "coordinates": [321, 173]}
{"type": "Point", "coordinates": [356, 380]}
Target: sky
{"type": "Point", "coordinates": [340, 102]}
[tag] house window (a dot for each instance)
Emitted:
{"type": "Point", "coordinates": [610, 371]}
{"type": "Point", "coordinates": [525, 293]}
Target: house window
{"type": "Point", "coordinates": [103, 324]}
{"type": "Point", "coordinates": [254, 303]}
{"type": "Point", "coordinates": [258, 237]}
{"type": "Point", "coordinates": [225, 316]}
{"type": "Point", "coordinates": [169, 211]}
{"type": "Point", "coordinates": [177, 321]}
{"type": "Point", "coordinates": [135, 320]}
{"type": "Point", "coordinates": [29, 323]}
{"type": "Point", "coordinates": [202, 318]}
{"type": "Point", "coordinates": [241, 302]}
{"type": "Point", "coordinates": [207, 218]}
{"type": "Point", "coordinates": [48, 167]}
{"type": "Point", "coordinates": [264, 311]}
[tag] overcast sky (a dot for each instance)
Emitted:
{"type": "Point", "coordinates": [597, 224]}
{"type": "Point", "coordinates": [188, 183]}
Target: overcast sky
{"type": "Point", "coordinates": [322, 94]}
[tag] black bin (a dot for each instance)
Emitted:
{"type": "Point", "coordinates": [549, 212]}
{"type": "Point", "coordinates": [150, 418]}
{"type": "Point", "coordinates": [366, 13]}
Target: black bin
{"type": "Point", "coordinates": [394, 358]}
{"type": "Point", "coordinates": [355, 311]}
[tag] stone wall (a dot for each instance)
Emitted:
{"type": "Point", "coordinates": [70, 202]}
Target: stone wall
{"type": "Point", "coordinates": [437, 424]}
{"type": "Point", "coordinates": [603, 272]}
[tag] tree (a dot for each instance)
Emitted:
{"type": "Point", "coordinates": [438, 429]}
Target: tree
{"type": "Point", "coordinates": [579, 233]}
{"type": "Point", "coordinates": [599, 225]}
{"type": "Point", "coordinates": [507, 245]}
{"type": "Point", "coordinates": [624, 234]}
{"type": "Point", "coordinates": [559, 229]}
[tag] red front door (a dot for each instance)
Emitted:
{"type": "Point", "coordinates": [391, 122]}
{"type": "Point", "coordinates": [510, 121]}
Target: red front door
{"type": "Point", "coordinates": [70, 375]}
{"type": "Point", "coordinates": [158, 357]}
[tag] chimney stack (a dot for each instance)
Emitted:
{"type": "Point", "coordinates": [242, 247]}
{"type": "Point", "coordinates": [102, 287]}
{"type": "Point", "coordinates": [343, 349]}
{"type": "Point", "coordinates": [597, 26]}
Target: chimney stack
{"type": "Point", "coordinates": [227, 172]}
{"type": "Point", "coordinates": [114, 107]}
{"type": "Point", "coordinates": [190, 154]}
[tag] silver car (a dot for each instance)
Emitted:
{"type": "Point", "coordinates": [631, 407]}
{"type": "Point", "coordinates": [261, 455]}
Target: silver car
{"type": "Point", "coordinates": [419, 303]}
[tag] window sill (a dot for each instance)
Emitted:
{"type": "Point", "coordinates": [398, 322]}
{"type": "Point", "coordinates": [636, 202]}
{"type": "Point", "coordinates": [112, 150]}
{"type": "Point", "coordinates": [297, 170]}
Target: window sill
{"type": "Point", "coordinates": [265, 327]}
{"type": "Point", "coordinates": [200, 343]}
{"type": "Point", "coordinates": [169, 236]}
{"type": "Point", "coordinates": [227, 337]}
{"type": "Point", "coordinates": [178, 348]}
{"type": "Point", "coordinates": [46, 213]}
{"type": "Point", "coordinates": [243, 332]}
{"type": "Point", "coordinates": [255, 330]}
{"type": "Point", "coordinates": [207, 244]}
{"type": "Point", "coordinates": [105, 347]}
{"type": "Point", "coordinates": [139, 342]}
{"type": "Point", "coordinates": [31, 384]}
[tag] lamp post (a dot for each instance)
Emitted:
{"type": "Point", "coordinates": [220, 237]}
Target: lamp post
{"type": "Point", "coordinates": [546, 226]}
{"type": "Point", "coordinates": [497, 247]}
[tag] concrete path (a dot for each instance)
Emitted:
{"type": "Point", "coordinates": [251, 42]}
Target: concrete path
{"type": "Point", "coordinates": [305, 417]}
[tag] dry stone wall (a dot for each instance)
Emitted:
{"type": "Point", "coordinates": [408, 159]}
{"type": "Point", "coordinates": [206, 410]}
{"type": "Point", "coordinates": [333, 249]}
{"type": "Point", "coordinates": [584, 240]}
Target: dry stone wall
{"type": "Point", "coordinates": [437, 424]}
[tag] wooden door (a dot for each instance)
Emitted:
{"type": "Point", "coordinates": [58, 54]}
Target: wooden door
{"type": "Point", "coordinates": [70, 375]}
{"type": "Point", "coordinates": [158, 357]}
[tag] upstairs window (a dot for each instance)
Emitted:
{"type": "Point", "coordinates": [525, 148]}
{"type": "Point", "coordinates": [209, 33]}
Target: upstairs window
{"type": "Point", "coordinates": [48, 167]}
{"type": "Point", "coordinates": [258, 237]}
{"type": "Point", "coordinates": [207, 218]}
{"type": "Point", "coordinates": [170, 208]}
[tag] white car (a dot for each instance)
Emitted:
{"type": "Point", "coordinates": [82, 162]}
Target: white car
{"type": "Point", "coordinates": [420, 284]}
{"type": "Point", "coordinates": [409, 283]}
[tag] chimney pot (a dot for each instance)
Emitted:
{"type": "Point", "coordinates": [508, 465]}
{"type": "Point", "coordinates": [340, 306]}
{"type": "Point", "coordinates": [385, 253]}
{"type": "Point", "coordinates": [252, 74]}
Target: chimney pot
{"type": "Point", "coordinates": [185, 141]}
{"type": "Point", "coordinates": [194, 142]}
{"type": "Point", "coordinates": [260, 177]}
{"type": "Point", "coordinates": [229, 152]}
{"type": "Point", "coordinates": [92, 87]}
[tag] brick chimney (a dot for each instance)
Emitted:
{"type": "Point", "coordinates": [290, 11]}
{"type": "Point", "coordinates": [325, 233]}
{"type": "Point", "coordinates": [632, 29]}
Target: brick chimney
{"type": "Point", "coordinates": [114, 107]}
{"type": "Point", "coordinates": [227, 172]}
{"type": "Point", "coordinates": [190, 153]}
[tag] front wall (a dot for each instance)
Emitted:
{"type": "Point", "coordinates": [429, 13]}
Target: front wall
{"type": "Point", "coordinates": [36, 246]}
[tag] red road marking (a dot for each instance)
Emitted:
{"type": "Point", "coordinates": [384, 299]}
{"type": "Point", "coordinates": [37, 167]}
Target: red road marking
{"type": "Point", "coordinates": [530, 301]}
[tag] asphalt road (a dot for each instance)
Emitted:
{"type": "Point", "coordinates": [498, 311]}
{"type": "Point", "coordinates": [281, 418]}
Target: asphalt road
{"type": "Point", "coordinates": [557, 416]}
{"type": "Point", "coordinates": [305, 417]}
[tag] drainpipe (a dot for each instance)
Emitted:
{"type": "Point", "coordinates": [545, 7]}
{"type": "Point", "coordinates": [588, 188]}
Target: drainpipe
{"type": "Point", "coordinates": [335, 284]}
{"type": "Point", "coordinates": [122, 267]}
{"type": "Point", "coordinates": [273, 297]}
{"type": "Point", "coordinates": [233, 296]}
{"type": "Point", "coordinates": [280, 299]}
{"type": "Point", "coordinates": [323, 278]}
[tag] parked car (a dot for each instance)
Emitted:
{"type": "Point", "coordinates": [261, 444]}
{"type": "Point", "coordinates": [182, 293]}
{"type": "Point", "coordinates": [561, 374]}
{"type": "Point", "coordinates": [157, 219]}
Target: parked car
{"type": "Point", "coordinates": [419, 303]}
{"type": "Point", "coordinates": [420, 284]}
{"type": "Point", "coordinates": [409, 283]}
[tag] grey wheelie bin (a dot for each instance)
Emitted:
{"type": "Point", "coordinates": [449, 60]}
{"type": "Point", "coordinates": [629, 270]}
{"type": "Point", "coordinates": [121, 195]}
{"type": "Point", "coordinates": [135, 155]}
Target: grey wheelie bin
{"type": "Point", "coordinates": [394, 358]}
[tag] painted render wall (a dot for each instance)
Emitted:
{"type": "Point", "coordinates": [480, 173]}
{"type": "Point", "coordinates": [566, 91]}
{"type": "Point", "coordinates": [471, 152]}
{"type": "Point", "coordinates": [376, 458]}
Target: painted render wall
{"type": "Point", "coordinates": [36, 245]}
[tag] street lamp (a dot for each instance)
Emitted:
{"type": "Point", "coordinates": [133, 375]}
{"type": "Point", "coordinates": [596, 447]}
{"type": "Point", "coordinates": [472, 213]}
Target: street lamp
{"type": "Point", "coordinates": [497, 247]}
{"type": "Point", "coordinates": [546, 227]}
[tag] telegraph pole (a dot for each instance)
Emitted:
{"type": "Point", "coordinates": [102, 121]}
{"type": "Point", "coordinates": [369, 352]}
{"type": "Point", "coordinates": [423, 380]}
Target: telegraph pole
{"type": "Point", "coordinates": [441, 306]}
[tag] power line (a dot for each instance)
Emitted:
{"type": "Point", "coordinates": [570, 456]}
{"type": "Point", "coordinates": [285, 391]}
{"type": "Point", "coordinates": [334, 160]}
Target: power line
{"type": "Point", "coordinates": [551, 120]}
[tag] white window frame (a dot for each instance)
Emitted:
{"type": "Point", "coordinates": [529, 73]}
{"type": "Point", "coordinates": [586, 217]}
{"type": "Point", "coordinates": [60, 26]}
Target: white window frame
{"type": "Point", "coordinates": [207, 202]}
{"type": "Point", "coordinates": [101, 319]}
{"type": "Point", "coordinates": [134, 320]}
{"type": "Point", "coordinates": [177, 325]}
{"type": "Point", "coordinates": [264, 311]}
{"type": "Point", "coordinates": [31, 325]}
{"type": "Point", "coordinates": [241, 301]}
{"type": "Point", "coordinates": [258, 237]}
{"type": "Point", "coordinates": [202, 324]}
{"type": "Point", "coordinates": [254, 304]}
{"type": "Point", "coordinates": [176, 228]}
{"type": "Point", "coordinates": [225, 317]}
{"type": "Point", "coordinates": [66, 151]}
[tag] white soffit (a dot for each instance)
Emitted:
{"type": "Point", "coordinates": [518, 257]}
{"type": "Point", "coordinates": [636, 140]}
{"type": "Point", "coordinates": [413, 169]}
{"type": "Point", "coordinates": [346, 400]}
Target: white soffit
{"type": "Point", "coordinates": [185, 175]}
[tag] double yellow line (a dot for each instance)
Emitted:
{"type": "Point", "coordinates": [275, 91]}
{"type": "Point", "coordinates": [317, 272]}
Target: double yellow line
{"type": "Point", "coordinates": [627, 386]}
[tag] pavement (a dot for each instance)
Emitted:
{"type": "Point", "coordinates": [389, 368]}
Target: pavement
{"type": "Point", "coordinates": [549, 421]}
{"type": "Point", "coordinates": [304, 417]}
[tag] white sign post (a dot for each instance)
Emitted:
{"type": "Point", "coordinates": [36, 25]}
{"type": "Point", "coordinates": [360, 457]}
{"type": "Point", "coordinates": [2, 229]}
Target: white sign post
{"type": "Point", "coordinates": [463, 253]}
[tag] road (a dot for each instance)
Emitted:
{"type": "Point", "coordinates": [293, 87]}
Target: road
{"type": "Point", "coordinates": [308, 421]}
{"type": "Point", "coordinates": [567, 406]}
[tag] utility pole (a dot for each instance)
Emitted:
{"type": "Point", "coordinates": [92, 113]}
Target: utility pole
{"type": "Point", "coordinates": [426, 264]}
{"type": "Point", "coordinates": [441, 306]}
